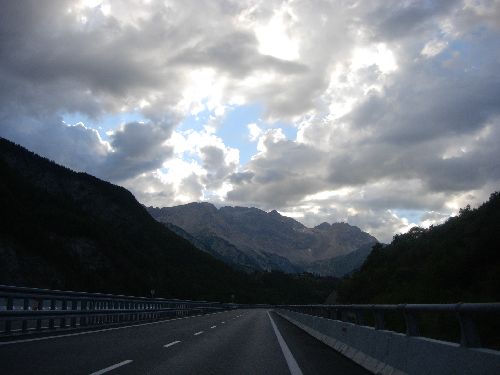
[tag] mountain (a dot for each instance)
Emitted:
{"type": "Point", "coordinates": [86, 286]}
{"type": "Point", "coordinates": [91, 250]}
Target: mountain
{"type": "Point", "coordinates": [66, 230]}
{"type": "Point", "coordinates": [341, 265]}
{"type": "Point", "coordinates": [218, 248]}
{"type": "Point", "coordinates": [268, 239]}
{"type": "Point", "coordinates": [458, 261]}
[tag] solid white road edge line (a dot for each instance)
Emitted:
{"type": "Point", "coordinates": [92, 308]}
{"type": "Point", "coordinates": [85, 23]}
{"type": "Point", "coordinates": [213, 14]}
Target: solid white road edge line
{"type": "Point", "coordinates": [290, 361]}
{"type": "Point", "coordinates": [198, 333]}
{"type": "Point", "coordinates": [111, 367]}
{"type": "Point", "coordinates": [171, 344]}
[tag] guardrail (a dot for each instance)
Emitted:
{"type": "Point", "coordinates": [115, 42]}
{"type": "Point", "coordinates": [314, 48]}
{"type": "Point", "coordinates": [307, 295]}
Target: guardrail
{"type": "Point", "coordinates": [27, 310]}
{"type": "Point", "coordinates": [465, 313]}
{"type": "Point", "coordinates": [394, 339]}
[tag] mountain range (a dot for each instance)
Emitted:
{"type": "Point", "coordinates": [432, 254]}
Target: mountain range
{"type": "Point", "coordinates": [252, 239]}
{"type": "Point", "coordinates": [65, 230]}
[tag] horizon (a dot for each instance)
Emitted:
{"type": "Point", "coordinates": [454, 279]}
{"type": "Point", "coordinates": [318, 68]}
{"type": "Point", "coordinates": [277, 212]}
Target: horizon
{"type": "Point", "coordinates": [383, 115]}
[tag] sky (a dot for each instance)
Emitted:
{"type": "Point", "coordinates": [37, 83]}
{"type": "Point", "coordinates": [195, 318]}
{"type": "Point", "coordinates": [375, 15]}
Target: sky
{"type": "Point", "coordinates": [384, 114]}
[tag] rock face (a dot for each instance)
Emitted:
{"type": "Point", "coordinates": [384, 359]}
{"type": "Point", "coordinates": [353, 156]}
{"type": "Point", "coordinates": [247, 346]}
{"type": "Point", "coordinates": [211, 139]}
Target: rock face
{"type": "Point", "coordinates": [257, 239]}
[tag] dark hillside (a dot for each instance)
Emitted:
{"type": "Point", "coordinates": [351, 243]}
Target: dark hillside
{"type": "Point", "coordinates": [67, 230]}
{"type": "Point", "coordinates": [458, 261]}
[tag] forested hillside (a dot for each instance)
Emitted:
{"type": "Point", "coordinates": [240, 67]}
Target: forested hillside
{"type": "Point", "coordinates": [458, 261]}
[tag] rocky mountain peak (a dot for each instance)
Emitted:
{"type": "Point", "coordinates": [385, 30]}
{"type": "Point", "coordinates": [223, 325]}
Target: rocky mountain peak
{"type": "Point", "coordinates": [266, 236]}
{"type": "Point", "coordinates": [323, 226]}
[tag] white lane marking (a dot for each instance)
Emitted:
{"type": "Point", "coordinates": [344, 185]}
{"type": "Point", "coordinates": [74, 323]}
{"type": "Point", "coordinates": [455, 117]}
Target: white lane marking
{"type": "Point", "coordinates": [223, 322]}
{"type": "Point", "coordinates": [95, 331]}
{"type": "Point", "coordinates": [198, 333]}
{"type": "Point", "coordinates": [290, 361]}
{"type": "Point", "coordinates": [171, 344]}
{"type": "Point", "coordinates": [111, 367]}
{"type": "Point", "coordinates": [213, 327]}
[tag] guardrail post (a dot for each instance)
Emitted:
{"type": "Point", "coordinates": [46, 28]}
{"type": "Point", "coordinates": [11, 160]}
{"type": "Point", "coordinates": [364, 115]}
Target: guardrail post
{"type": "Point", "coordinates": [343, 315]}
{"type": "Point", "coordinates": [74, 305]}
{"type": "Point", "coordinates": [337, 314]}
{"type": "Point", "coordinates": [469, 335]}
{"type": "Point", "coordinates": [39, 307]}
{"type": "Point", "coordinates": [9, 306]}
{"type": "Point", "coordinates": [120, 315]}
{"type": "Point", "coordinates": [26, 306]}
{"type": "Point", "coordinates": [412, 328]}
{"type": "Point", "coordinates": [94, 314]}
{"type": "Point", "coordinates": [52, 308]}
{"type": "Point", "coordinates": [91, 307]}
{"type": "Point", "coordinates": [83, 311]}
{"type": "Point", "coordinates": [360, 319]}
{"type": "Point", "coordinates": [64, 306]}
{"type": "Point", "coordinates": [379, 319]}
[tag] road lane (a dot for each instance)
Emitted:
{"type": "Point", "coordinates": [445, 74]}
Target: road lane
{"type": "Point", "coordinates": [313, 356]}
{"type": "Point", "coordinates": [87, 353]}
{"type": "Point", "coordinates": [245, 344]}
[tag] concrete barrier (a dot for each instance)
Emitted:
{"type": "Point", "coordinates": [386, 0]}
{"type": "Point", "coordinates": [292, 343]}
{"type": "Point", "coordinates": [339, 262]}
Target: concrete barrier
{"type": "Point", "coordinates": [392, 353]}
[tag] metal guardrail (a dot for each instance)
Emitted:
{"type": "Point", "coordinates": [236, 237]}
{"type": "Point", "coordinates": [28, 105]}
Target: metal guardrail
{"type": "Point", "coordinates": [466, 314]}
{"type": "Point", "coordinates": [27, 310]}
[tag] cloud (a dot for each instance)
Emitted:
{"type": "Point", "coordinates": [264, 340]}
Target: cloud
{"type": "Point", "coordinates": [137, 148]}
{"type": "Point", "coordinates": [396, 19]}
{"type": "Point", "coordinates": [396, 104]}
{"type": "Point", "coordinates": [254, 131]}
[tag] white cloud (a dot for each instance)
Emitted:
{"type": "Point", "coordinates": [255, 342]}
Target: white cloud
{"type": "Point", "coordinates": [274, 36]}
{"type": "Point", "coordinates": [396, 104]}
{"type": "Point", "coordinates": [254, 131]}
{"type": "Point", "coordinates": [269, 137]}
{"type": "Point", "coordinates": [433, 48]}
{"type": "Point", "coordinates": [378, 55]}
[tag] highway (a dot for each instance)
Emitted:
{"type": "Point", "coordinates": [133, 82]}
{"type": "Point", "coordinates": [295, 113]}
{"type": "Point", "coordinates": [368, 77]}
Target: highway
{"type": "Point", "coordinates": [231, 342]}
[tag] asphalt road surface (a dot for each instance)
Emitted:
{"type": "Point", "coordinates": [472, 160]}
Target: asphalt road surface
{"type": "Point", "coordinates": [232, 342]}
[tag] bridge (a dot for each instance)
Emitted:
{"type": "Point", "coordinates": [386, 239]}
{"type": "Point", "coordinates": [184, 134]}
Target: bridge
{"type": "Point", "coordinates": [60, 332]}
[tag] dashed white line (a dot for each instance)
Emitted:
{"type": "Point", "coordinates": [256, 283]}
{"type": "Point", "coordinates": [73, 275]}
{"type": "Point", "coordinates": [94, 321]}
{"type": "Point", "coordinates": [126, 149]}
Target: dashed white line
{"type": "Point", "coordinates": [95, 331]}
{"type": "Point", "coordinates": [171, 344]}
{"type": "Point", "coordinates": [290, 361]}
{"type": "Point", "coordinates": [107, 369]}
{"type": "Point", "coordinates": [223, 322]}
{"type": "Point", "coordinates": [198, 333]}
{"type": "Point", "coordinates": [213, 327]}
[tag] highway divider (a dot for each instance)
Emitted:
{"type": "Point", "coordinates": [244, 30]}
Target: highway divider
{"type": "Point", "coordinates": [382, 351]}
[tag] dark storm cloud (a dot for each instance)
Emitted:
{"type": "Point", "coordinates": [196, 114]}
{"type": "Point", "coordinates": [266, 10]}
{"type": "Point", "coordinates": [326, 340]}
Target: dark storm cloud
{"type": "Point", "coordinates": [396, 19]}
{"type": "Point", "coordinates": [235, 54]}
{"type": "Point", "coordinates": [417, 108]}
{"type": "Point", "coordinates": [285, 173]}
{"type": "Point", "coordinates": [137, 148]}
